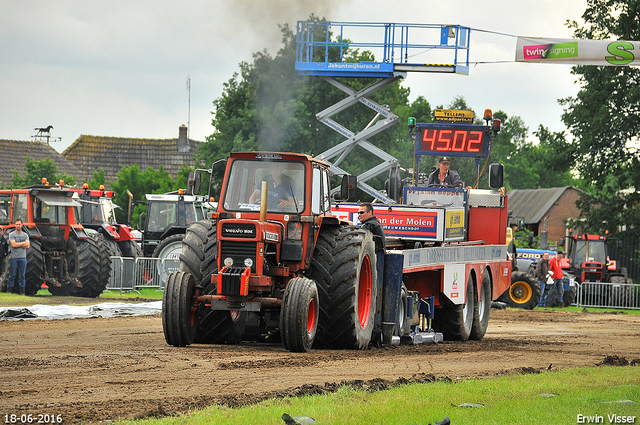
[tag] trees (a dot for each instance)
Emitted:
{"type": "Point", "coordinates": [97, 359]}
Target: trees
{"type": "Point", "coordinates": [267, 105]}
{"type": "Point", "coordinates": [35, 170]}
{"type": "Point", "coordinates": [139, 183]}
{"type": "Point", "coordinates": [604, 118]}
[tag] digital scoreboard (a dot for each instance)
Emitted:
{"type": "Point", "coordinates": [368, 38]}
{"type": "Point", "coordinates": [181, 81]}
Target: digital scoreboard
{"type": "Point", "coordinates": [452, 140]}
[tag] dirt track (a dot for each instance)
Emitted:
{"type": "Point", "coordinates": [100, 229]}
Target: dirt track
{"type": "Point", "coordinates": [96, 369]}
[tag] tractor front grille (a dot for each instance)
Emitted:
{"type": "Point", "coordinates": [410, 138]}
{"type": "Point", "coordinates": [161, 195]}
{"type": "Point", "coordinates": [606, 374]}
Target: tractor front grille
{"type": "Point", "coordinates": [238, 252]}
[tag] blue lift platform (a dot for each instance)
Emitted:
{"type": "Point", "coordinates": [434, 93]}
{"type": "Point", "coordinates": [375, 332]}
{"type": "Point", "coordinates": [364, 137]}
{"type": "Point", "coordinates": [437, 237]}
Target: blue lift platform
{"type": "Point", "coordinates": [323, 50]}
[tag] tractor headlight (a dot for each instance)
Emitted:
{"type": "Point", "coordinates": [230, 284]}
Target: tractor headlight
{"type": "Point", "coordinates": [248, 262]}
{"type": "Point", "coordinates": [228, 261]}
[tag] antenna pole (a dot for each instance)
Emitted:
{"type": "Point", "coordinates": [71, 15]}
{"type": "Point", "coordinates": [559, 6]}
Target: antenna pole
{"type": "Point", "coordinates": [189, 110]}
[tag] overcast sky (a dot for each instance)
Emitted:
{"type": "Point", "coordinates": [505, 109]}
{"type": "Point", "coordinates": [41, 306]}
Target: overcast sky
{"type": "Point", "coordinates": [120, 68]}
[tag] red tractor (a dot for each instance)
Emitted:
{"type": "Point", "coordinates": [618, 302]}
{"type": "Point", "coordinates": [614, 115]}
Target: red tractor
{"type": "Point", "coordinates": [288, 265]}
{"type": "Point", "coordinates": [587, 260]}
{"type": "Point", "coordinates": [97, 212]}
{"type": "Point", "coordinates": [61, 255]}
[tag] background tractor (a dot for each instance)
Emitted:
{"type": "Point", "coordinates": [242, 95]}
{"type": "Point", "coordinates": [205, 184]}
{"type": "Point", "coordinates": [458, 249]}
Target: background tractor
{"type": "Point", "coordinates": [61, 255]}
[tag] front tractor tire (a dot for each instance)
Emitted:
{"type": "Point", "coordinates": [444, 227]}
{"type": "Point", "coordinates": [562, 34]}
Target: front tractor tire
{"type": "Point", "coordinates": [344, 269]}
{"type": "Point", "coordinates": [524, 292]}
{"type": "Point", "coordinates": [179, 315]}
{"type": "Point", "coordinates": [200, 258]}
{"type": "Point", "coordinates": [299, 315]}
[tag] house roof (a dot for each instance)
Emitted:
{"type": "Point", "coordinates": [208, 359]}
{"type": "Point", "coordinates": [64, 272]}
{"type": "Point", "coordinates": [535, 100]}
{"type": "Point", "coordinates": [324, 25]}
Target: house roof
{"type": "Point", "coordinates": [14, 153]}
{"type": "Point", "coordinates": [92, 153]}
{"type": "Point", "coordinates": [533, 204]}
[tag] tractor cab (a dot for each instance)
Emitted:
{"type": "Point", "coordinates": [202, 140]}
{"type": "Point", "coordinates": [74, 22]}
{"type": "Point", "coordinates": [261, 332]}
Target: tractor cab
{"type": "Point", "coordinates": [587, 258]}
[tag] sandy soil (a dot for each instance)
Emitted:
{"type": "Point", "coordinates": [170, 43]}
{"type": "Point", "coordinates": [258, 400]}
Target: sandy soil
{"type": "Point", "coordinates": [90, 370]}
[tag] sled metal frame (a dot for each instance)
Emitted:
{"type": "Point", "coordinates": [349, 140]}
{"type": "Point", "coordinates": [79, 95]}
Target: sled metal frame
{"type": "Point", "coordinates": [318, 55]}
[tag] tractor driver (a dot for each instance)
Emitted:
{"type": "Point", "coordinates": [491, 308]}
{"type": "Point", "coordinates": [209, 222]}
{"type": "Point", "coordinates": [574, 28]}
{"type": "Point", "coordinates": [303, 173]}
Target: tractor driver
{"type": "Point", "coordinates": [282, 188]}
{"type": "Point", "coordinates": [444, 177]}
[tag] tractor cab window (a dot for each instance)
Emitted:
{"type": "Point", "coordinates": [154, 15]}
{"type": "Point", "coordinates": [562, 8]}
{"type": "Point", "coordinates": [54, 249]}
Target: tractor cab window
{"type": "Point", "coordinates": [5, 204]}
{"type": "Point", "coordinates": [162, 215]}
{"type": "Point", "coordinates": [285, 186]}
{"type": "Point", "coordinates": [108, 210]}
{"type": "Point", "coordinates": [20, 202]}
{"type": "Point", "coordinates": [589, 251]}
{"type": "Point", "coordinates": [320, 196]}
{"type": "Point", "coordinates": [46, 213]}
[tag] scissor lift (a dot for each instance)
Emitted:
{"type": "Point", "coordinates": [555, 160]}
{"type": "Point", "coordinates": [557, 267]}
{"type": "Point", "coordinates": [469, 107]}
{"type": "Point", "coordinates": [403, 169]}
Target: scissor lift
{"type": "Point", "coordinates": [317, 55]}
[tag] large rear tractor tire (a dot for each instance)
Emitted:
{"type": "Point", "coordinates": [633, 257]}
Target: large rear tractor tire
{"type": "Point", "coordinates": [524, 292]}
{"type": "Point", "coordinates": [168, 249]}
{"type": "Point", "coordinates": [34, 274]}
{"type": "Point", "coordinates": [105, 259]}
{"type": "Point", "coordinates": [483, 307]}
{"type": "Point", "coordinates": [456, 321]}
{"type": "Point", "coordinates": [130, 249]}
{"type": "Point", "coordinates": [112, 246]}
{"type": "Point", "coordinates": [179, 315]}
{"type": "Point", "coordinates": [85, 262]}
{"type": "Point", "coordinates": [299, 315]}
{"type": "Point", "coordinates": [200, 258]}
{"type": "Point", "coordinates": [344, 269]}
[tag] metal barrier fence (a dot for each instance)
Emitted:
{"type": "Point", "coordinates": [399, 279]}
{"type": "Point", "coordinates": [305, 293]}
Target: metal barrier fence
{"type": "Point", "coordinates": [608, 295]}
{"type": "Point", "coordinates": [131, 274]}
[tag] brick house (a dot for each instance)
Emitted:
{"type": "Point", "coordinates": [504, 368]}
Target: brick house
{"type": "Point", "coordinates": [15, 152]}
{"type": "Point", "coordinates": [549, 207]}
{"type": "Point", "coordinates": [92, 153]}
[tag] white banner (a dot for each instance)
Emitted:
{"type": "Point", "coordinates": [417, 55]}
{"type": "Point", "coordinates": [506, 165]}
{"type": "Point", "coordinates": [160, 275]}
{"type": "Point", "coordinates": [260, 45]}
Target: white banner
{"type": "Point", "coordinates": [578, 52]}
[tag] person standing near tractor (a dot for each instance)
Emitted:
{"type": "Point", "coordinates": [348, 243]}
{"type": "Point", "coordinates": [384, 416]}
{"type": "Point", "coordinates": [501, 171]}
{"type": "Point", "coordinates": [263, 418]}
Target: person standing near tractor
{"type": "Point", "coordinates": [19, 241]}
{"type": "Point", "coordinates": [542, 269]}
{"type": "Point", "coordinates": [370, 222]}
{"type": "Point", "coordinates": [555, 269]}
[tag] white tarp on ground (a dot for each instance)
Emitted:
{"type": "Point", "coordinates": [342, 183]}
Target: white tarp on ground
{"type": "Point", "coordinates": [46, 312]}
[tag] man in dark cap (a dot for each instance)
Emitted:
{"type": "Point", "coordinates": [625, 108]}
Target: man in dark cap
{"type": "Point", "coordinates": [443, 176]}
{"type": "Point", "coordinates": [370, 222]}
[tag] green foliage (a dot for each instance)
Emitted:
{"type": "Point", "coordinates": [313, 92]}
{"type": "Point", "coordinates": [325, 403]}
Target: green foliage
{"type": "Point", "coordinates": [268, 106]}
{"type": "Point", "coordinates": [97, 180]}
{"type": "Point", "coordinates": [139, 183]}
{"type": "Point", "coordinates": [604, 118]}
{"type": "Point", "coordinates": [523, 238]}
{"type": "Point", "coordinates": [35, 170]}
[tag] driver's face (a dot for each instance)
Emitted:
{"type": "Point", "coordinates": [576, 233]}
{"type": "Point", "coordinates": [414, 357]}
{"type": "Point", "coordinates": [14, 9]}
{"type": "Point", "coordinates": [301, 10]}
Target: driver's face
{"type": "Point", "coordinates": [444, 167]}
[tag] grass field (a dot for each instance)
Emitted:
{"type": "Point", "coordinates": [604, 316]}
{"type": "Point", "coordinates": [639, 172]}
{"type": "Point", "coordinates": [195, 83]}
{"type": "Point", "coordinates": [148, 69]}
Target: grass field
{"type": "Point", "coordinates": [562, 397]}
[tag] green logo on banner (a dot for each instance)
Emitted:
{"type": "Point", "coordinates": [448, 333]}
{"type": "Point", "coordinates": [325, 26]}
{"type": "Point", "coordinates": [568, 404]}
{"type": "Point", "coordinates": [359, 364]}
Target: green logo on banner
{"type": "Point", "coordinates": [562, 50]}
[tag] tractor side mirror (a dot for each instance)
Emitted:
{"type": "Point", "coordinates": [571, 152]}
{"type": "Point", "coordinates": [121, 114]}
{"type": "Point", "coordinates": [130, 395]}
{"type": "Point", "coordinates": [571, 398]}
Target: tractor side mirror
{"type": "Point", "coordinates": [496, 176]}
{"type": "Point", "coordinates": [348, 187]}
{"type": "Point", "coordinates": [194, 182]}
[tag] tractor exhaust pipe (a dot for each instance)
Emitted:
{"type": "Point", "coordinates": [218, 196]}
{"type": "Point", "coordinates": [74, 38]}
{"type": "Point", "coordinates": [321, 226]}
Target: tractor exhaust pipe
{"type": "Point", "coordinates": [264, 196]}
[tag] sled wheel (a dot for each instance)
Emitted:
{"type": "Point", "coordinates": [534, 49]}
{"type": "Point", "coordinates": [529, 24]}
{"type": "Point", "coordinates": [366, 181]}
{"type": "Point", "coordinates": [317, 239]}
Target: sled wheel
{"type": "Point", "coordinates": [483, 308]}
{"type": "Point", "coordinates": [179, 315]}
{"type": "Point", "coordinates": [299, 315]}
{"type": "Point", "coordinates": [455, 321]}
